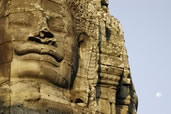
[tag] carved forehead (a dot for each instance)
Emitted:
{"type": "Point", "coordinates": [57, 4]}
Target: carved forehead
{"type": "Point", "coordinates": [35, 1]}
{"type": "Point", "coordinates": [47, 6]}
{"type": "Point", "coordinates": [81, 12]}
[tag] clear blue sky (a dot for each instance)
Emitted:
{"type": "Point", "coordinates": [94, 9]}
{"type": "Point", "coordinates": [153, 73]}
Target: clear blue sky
{"type": "Point", "coordinates": [147, 29]}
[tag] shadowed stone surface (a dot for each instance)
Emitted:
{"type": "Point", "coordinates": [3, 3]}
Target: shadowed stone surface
{"type": "Point", "coordinates": [63, 57]}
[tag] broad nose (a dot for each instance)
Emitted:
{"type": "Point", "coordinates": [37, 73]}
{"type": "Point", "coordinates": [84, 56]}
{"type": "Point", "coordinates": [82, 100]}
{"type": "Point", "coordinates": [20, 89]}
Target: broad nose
{"type": "Point", "coordinates": [44, 37]}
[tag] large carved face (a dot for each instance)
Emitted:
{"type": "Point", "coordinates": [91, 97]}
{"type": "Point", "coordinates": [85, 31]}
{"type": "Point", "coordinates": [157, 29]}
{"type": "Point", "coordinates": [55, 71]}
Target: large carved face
{"type": "Point", "coordinates": [37, 38]}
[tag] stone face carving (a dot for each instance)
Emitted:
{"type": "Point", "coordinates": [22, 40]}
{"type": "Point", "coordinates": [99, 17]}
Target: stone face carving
{"type": "Point", "coordinates": [63, 56]}
{"type": "Point", "coordinates": [42, 42]}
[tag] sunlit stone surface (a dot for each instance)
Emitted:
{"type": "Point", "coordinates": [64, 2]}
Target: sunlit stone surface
{"type": "Point", "coordinates": [63, 57]}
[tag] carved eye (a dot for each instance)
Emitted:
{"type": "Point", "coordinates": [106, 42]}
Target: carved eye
{"type": "Point", "coordinates": [56, 25]}
{"type": "Point", "coordinates": [21, 21]}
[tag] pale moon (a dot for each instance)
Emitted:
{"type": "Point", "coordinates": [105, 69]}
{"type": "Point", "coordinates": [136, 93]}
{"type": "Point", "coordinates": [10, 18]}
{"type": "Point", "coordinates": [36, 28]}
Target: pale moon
{"type": "Point", "coordinates": [159, 94]}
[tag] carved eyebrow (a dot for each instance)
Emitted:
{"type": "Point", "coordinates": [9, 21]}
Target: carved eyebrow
{"type": "Point", "coordinates": [21, 18]}
{"type": "Point", "coordinates": [54, 14]}
{"type": "Point", "coordinates": [56, 1]}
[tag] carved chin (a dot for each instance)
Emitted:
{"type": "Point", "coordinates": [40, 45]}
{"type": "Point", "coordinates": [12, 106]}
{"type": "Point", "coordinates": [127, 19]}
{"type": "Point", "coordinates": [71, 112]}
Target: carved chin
{"type": "Point", "coordinates": [38, 70]}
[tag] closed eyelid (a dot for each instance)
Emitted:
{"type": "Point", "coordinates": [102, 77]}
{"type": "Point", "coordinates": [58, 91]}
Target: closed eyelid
{"type": "Point", "coordinates": [57, 21]}
{"type": "Point", "coordinates": [56, 24]}
{"type": "Point", "coordinates": [20, 21]}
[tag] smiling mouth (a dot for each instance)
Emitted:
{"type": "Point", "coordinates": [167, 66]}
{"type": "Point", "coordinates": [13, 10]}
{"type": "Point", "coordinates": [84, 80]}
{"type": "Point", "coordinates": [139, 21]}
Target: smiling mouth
{"type": "Point", "coordinates": [41, 52]}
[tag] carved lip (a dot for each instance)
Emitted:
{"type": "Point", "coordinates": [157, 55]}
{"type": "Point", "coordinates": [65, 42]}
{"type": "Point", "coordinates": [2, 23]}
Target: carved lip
{"type": "Point", "coordinates": [42, 58]}
{"type": "Point", "coordinates": [30, 49]}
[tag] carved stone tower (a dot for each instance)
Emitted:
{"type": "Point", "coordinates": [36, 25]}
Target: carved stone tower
{"type": "Point", "coordinates": [63, 57]}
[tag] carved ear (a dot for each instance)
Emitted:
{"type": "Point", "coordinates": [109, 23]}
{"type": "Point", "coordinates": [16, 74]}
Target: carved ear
{"type": "Point", "coordinates": [81, 38]}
